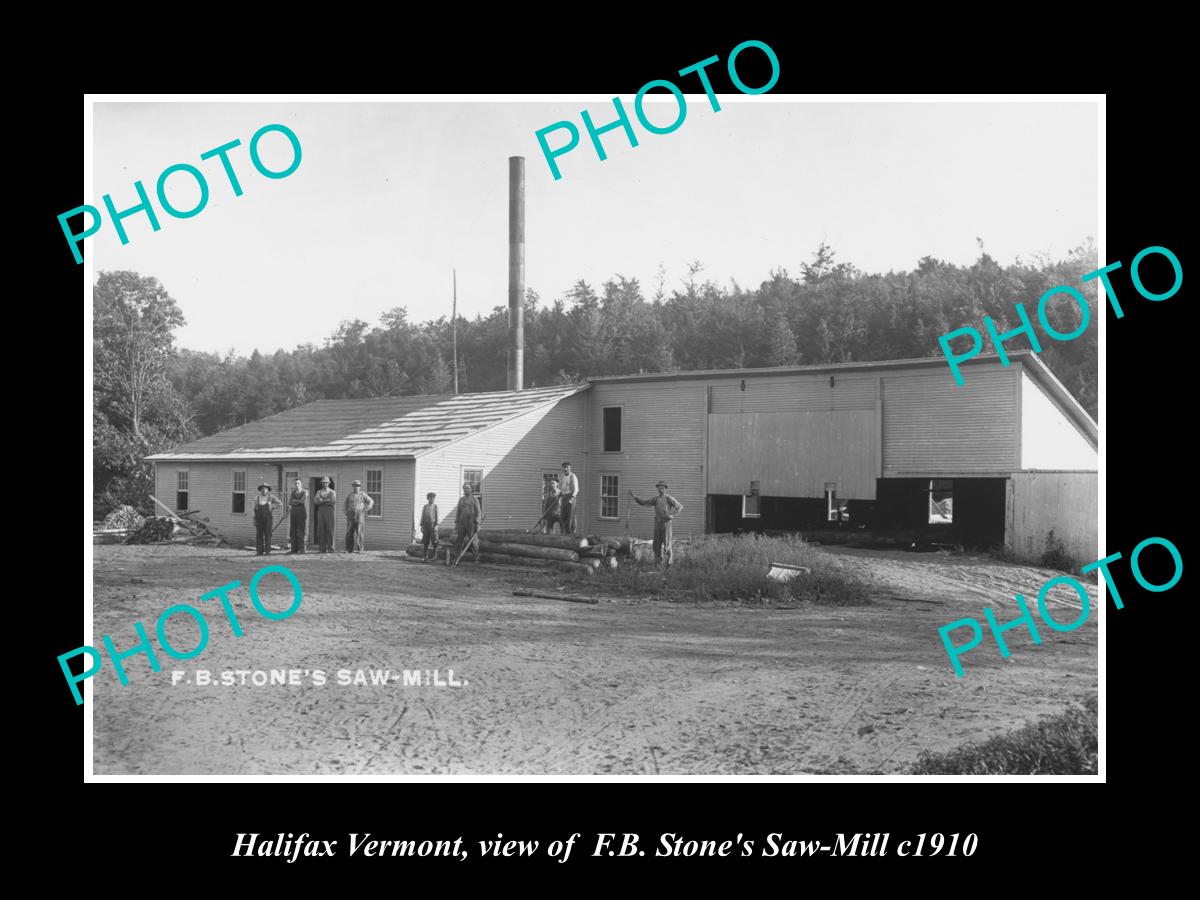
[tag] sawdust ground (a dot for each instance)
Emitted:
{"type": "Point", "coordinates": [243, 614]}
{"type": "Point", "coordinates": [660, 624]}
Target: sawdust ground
{"type": "Point", "coordinates": [556, 688]}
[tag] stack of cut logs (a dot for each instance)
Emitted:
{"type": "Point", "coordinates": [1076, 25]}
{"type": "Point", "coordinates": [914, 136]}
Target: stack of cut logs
{"type": "Point", "coordinates": [572, 552]}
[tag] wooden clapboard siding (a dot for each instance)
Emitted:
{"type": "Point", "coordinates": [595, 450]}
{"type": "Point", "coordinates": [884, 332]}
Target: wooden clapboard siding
{"type": "Point", "coordinates": [1049, 438]}
{"type": "Point", "coordinates": [933, 427]}
{"type": "Point", "coordinates": [793, 393]}
{"type": "Point", "coordinates": [211, 493]}
{"type": "Point", "coordinates": [392, 530]}
{"type": "Point", "coordinates": [662, 436]}
{"type": "Point", "coordinates": [793, 454]}
{"type": "Point", "coordinates": [1065, 502]}
{"type": "Point", "coordinates": [513, 456]}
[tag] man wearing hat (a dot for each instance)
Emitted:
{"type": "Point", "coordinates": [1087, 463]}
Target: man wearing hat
{"type": "Point", "coordinates": [569, 488]}
{"type": "Point", "coordinates": [298, 501]}
{"type": "Point", "coordinates": [323, 501]}
{"type": "Point", "coordinates": [466, 524]}
{"type": "Point", "coordinates": [358, 505]}
{"type": "Point", "coordinates": [429, 526]}
{"type": "Point", "coordinates": [265, 505]}
{"type": "Point", "coordinates": [666, 508]}
{"type": "Point", "coordinates": [550, 494]}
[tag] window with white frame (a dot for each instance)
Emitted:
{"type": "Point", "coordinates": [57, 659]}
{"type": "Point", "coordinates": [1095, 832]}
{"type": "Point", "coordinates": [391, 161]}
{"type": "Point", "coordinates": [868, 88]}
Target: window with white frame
{"type": "Point", "coordinates": [289, 481]}
{"type": "Point", "coordinates": [610, 496]}
{"type": "Point", "coordinates": [836, 510]}
{"type": "Point", "coordinates": [941, 501]}
{"type": "Point", "coordinates": [751, 507]}
{"type": "Point", "coordinates": [239, 491]}
{"type": "Point", "coordinates": [474, 477]}
{"type": "Point", "coordinates": [181, 489]}
{"type": "Point", "coordinates": [375, 492]}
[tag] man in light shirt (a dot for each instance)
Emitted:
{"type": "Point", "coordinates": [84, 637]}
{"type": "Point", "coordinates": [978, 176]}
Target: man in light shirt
{"type": "Point", "coordinates": [666, 508]}
{"type": "Point", "coordinates": [358, 505]}
{"type": "Point", "coordinates": [569, 488]}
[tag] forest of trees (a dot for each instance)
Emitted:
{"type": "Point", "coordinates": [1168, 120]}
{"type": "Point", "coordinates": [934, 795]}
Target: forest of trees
{"type": "Point", "coordinates": [150, 396]}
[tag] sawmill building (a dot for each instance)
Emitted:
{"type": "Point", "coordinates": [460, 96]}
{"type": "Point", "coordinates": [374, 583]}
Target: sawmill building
{"type": "Point", "coordinates": [887, 447]}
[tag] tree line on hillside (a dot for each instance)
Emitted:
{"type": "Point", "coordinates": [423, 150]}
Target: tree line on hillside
{"type": "Point", "coordinates": [149, 395]}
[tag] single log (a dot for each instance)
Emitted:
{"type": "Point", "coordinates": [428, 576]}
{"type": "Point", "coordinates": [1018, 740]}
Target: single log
{"type": "Point", "coordinates": [528, 550]}
{"type": "Point", "coordinates": [559, 541]}
{"type": "Point", "coordinates": [505, 559]}
{"type": "Point", "coordinates": [575, 567]}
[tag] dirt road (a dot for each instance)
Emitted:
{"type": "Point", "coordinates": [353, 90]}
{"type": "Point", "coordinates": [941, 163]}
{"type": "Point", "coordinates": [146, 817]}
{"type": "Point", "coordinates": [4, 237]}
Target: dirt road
{"type": "Point", "coordinates": [549, 687]}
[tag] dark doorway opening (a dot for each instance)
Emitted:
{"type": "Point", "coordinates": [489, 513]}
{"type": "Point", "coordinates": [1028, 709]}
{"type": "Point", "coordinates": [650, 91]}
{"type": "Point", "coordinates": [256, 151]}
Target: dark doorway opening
{"type": "Point", "coordinates": [967, 511]}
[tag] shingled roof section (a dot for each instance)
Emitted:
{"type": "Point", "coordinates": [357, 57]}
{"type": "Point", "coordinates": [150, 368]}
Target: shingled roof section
{"type": "Point", "coordinates": [385, 427]}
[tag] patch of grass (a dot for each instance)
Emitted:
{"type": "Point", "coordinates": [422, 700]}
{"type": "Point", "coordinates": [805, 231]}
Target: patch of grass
{"type": "Point", "coordinates": [724, 567]}
{"type": "Point", "coordinates": [1055, 556]}
{"type": "Point", "coordinates": [1065, 744]}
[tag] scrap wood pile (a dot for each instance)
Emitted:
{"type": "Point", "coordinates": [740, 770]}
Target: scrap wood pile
{"type": "Point", "coordinates": [186, 527]}
{"type": "Point", "coordinates": [152, 531]}
{"type": "Point", "coordinates": [581, 553]}
{"type": "Point", "coordinates": [123, 518]}
{"type": "Point", "coordinates": [117, 525]}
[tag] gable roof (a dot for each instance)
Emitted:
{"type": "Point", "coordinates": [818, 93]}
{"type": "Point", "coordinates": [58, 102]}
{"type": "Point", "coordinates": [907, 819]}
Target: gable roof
{"type": "Point", "coordinates": [381, 427]}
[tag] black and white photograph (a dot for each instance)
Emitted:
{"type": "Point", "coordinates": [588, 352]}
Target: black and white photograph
{"type": "Point", "coordinates": [518, 437]}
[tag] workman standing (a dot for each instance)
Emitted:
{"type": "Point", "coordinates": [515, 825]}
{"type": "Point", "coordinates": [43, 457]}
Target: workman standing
{"type": "Point", "coordinates": [550, 497]}
{"type": "Point", "coordinates": [323, 504]}
{"type": "Point", "coordinates": [569, 491]}
{"type": "Point", "coordinates": [466, 524]}
{"type": "Point", "coordinates": [298, 501]}
{"type": "Point", "coordinates": [265, 505]}
{"type": "Point", "coordinates": [666, 508]}
{"type": "Point", "coordinates": [358, 505]}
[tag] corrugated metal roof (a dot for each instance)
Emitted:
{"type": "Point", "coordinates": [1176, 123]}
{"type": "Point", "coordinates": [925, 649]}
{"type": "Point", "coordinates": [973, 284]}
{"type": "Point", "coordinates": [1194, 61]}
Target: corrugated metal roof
{"type": "Point", "coordinates": [386, 427]}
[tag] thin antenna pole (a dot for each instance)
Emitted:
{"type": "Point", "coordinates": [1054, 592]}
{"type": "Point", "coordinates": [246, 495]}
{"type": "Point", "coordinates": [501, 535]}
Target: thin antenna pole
{"type": "Point", "coordinates": [454, 329]}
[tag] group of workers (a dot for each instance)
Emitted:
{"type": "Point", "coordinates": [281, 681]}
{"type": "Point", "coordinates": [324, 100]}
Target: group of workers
{"type": "Point", "coordinates": [559, 497]}
{"type": "Point", "coordinates": [558, 502]}
{"type": "Point", "coordinates": [356, 507]}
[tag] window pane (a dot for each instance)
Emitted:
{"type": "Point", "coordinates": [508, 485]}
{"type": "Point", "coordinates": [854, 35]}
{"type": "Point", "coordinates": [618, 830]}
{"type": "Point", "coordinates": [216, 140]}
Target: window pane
{"type": "Point", "coordinates": [612, 428]}
{"type": "Point", "coordinates": [610, 499]}
{"type": "Point", "coordinates": [474, 477]}
{"type": "Point", "coordinates": [750, 506]}
{"type": "Point", "coordinates": [375, 491]}
{"type": "Point", "coordinates": [941, 501]}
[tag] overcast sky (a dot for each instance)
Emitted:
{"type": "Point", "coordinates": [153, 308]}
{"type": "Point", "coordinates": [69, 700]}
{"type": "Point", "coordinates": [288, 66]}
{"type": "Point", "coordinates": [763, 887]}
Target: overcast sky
{"type": "Point", "coordinates": [390, 197]}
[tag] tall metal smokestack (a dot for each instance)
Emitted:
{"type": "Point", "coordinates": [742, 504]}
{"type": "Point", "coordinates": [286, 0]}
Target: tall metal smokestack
{"type": "Point", "coordinates": [516, 273]}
